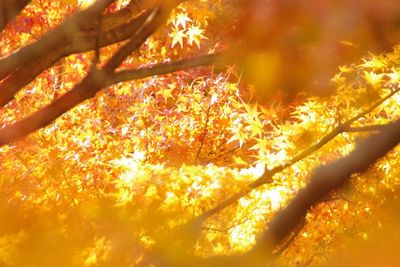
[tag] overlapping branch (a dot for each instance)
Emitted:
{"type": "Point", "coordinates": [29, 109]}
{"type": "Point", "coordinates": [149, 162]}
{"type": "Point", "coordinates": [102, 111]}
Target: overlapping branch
{"type": "Point", "coordinates": [326, 179]}
{"type": "Point", "coordinates": [76, 35]}
{"type": "Point", "coordinates": [79, 21]}
{"type": "Point", "coordinates": [73, 36]}
{"type": "Point", "coordinates": [367, 128]}
{"type": "Point", "coordinates": [168, 67]}
{"type": "Point", "coordinates": [323, 181]}
{"type": "Point", "coordinates": [268, 175]}
{"type": "Point", "coordinates": [98, 79]}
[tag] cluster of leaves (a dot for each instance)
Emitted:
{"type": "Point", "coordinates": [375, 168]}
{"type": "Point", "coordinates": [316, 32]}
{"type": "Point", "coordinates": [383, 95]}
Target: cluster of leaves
{"type": "Point", "coordinates": [107, 181]}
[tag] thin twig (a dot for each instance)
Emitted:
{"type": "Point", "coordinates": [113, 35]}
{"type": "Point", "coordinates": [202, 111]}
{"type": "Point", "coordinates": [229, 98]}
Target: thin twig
{"type": "Point", "coordinates": [204, 133]}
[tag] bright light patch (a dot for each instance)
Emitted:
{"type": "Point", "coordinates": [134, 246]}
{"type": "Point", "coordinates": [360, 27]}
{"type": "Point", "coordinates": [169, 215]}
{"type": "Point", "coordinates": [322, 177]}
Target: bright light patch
{"type": "Point", "coordinates": [85, 3]}
{"type": "Point", "coordinates": [242, 237]}
{"type": "Point", "coordinates": [275, 197]}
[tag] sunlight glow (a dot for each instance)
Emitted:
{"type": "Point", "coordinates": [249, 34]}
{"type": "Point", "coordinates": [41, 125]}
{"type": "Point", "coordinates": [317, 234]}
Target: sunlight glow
{"type": "Point", "coordinates": [85, 3]}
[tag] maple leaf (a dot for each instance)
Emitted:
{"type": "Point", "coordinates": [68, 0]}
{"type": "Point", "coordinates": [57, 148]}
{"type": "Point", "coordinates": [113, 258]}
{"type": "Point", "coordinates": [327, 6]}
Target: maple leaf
{"type": "Point", "coordinates": [181, 19]}
{"type": "Point", "coordinates": [261, 145]}
{"type": "Point", "coordinates": [238, 136]}
{"type": "Point", "coordinates": [195, 35]}
{"type": "Point", "coordinates": [240, 161]}
{"type": "Point", "coordinates": [373, 78]}
{"type": "Point", "coordinates": [375, 63]}
{"type": "Point", "coordinates": [177, 37]}
{"type": "Point", "coordinates": [165, 93]}
{"type": "Point", "coordinates": [345, 69]}
{"type": "Point", "coordinates": [251, 110]}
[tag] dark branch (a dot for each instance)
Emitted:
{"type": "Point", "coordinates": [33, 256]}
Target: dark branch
{"type": "Point", "coordinates": [293, 235]}
{"type": "Point", "coordinates": [86, 89]}
{"type": "Point", "coordinates": [80, 43]}
{"type": "Point", "coordinates": [326, 179]}
{"type": "Point", "coordinates": [165, 68]}
{"type": "Point", "coordinates": [96, 80]}
{"type": "Point", "coordinates": [153, 20]}
{"type": "Point", "coordinates": [267, 177]}
{"type": "Point", "coordinates": [81, 20]}
{"type": "Point", "coordinates": [368, 128]}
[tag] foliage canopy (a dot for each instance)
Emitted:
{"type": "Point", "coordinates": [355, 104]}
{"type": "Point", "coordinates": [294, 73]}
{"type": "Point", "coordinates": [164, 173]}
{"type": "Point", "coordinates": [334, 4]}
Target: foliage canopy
{"type": "Point", "coordinates": [199, 132]}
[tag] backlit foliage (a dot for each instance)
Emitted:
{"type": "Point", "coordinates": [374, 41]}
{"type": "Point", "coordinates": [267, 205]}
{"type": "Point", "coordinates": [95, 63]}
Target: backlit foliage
{"type": "Point", "coordinates": [106, 182]}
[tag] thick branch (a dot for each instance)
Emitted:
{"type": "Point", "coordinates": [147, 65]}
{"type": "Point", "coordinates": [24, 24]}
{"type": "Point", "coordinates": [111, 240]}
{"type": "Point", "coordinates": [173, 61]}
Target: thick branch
{"type": "Point", "coordinates": [95, 80]}
{"type": "Point", "coordinates": [86, 89]}
{"type": "Point", "coordinates": [85, 41]}
{"type": "Point", "coordinates": [367, 128]}
{"type": "Point", "coordinates": [81, 20]}
{"type": "Point", "coordinates": [23, 76]}
{"type": "Point", "coordinates": [81, 43]}
{"type": "Point", "coordinates": [325, 180]}
{"type": "Point", "coordinates": [293, 236]}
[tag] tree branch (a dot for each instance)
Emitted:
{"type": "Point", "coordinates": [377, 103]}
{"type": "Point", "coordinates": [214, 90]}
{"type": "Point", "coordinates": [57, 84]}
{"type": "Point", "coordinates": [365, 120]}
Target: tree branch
{"type": "Point", "coordinates": [79, 21]}
{"type": "Point", "coordinates": [153, 20]}
{"type": "Point", "coordinates": [85, 40]}
{"type": "Point", "coordinates": [89, 86]}
{"type": "Point", "coordinates": [195, 223]}
{"type": "Point", "coordinates": [293, 235]}
{"type": "Point", "coordinates": [326, 179]}
{"type": "Point", "coordinates": [165, 68]}
{"type": "Point", "coordinates": [26, 74]}
{"type": "Point", "coordinates": [368, 128]}
{"type": "Point", "coordinates": [80, 43]}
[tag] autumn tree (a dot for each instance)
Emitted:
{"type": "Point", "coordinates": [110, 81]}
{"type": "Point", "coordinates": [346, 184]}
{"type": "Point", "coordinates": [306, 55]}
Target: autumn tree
{"type": "Point", "coordinates": [201, 132]}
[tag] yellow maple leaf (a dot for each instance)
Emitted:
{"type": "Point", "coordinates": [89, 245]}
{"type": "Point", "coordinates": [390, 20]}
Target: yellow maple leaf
{"type": "Point", "coordinates": [374, 63]}
{"type": "Point", "coordinates": [252, 110]}
{"type": "Point", "coordinates": [166, 94]}
{"type": "Point", "coordinates": [345, 69]}
{"type": "Point", "coordinates": [238, 136]}
{"type": "Point", "coordinates": [177, 37]}
{"type": "Point", "coordinates": [195, 35]}
{"type": "Point", "coordinates": [181, 19]}
{"type": "Point", "coordinates": [240, 161]}
{"type": "Point", "coordinates": [256, 127]}
{"type": "Point", "coordinates": [373, 78]}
